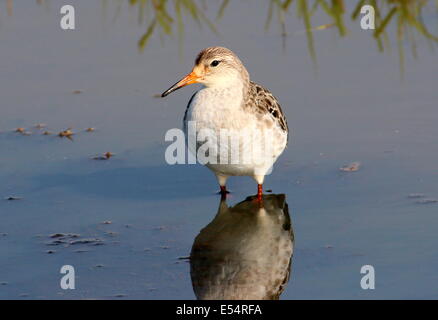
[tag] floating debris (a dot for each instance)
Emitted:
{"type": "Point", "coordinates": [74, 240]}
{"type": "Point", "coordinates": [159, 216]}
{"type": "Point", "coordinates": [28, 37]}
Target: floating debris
{"type": "Point", "coordinates": [40, 125]}
{"type": "Point", "coordinates": [426, 201]}
{"type": "Point", "coordinates": [50, 251]}
{"type": "Point", "coordinates": [421, 198]}
{"type": "Point", "coordinates": [416, 195]}
{"type": "Point", "coordinates": [105, 156]}
{"type": "Point", "coordinates": [107, 222]}
{"type": "Point", "coordinates": [184, 258]}
{"type": "Point", "coordinates": [23, 131]}
{"type": "Point", "coordinates": [57, 243]}
{"type": "Point", "coordinates": [108, 155]}
{"type": "Point", "coordinates": [64, 235]}
{"type": "Point", "coordinates": [47, 133]}
{"type": "Point", "coordinates": [81, 250]}
{"type": "Point", "coordinates": [99, 158]}
{"type": "Point", "coordinates": [69, 239]}
{"type": "Point", "coordinates": [77, 91]}
{"type": "Point", "coordinates": [57, 235]}
{"type": "Point", "coordinates": [99, 266]}
{"type": "Point", "coordinates": [12, 198]}
{"type": "Point", "coordinates": [90, 129]}
{"type": "Point", "coordinates": [92, 241]}
{"type": "Point", "coordinates": [66, 134]}
{"type": "Point", "coordinates": [352, 167]}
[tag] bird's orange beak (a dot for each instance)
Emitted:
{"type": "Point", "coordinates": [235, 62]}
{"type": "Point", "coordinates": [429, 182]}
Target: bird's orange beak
{"type": "Point", "coordinates": [191, 78]}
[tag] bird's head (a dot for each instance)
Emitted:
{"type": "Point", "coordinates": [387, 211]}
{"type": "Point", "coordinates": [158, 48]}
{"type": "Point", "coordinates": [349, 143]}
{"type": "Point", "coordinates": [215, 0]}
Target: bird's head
{"type": "Point", "coordinates": [214, 67]}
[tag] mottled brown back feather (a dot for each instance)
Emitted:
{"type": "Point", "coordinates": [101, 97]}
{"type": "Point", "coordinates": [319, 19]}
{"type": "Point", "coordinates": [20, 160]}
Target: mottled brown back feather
{"type": "Point", "coordinates": [263, 100]}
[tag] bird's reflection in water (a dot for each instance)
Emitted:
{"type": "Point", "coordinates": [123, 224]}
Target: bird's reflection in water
{"type": "Point", "coordinates": [245, 252]}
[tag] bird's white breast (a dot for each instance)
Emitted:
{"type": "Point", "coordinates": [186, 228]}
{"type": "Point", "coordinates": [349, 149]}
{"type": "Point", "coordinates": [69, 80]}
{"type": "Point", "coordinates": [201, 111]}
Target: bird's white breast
{"type": "Point", "coordinates": [220, 111]}
{"type": "Point", "coordinates": [217, 109]}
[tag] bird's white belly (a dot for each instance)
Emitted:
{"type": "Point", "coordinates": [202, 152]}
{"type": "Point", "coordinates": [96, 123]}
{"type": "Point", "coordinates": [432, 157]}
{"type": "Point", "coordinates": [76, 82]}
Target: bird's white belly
{"type": "Point", "coordinates": [238, 140]}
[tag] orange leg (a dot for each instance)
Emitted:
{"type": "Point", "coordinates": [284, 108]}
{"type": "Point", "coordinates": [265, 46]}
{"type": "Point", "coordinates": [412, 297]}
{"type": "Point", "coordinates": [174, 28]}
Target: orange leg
{"type": "Point", "coordinates": [259, 192]}
{"type": "Point", "coordinates": [223, 192]}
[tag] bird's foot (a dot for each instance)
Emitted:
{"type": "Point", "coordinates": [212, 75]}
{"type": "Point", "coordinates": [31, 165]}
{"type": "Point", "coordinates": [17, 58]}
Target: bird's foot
{"type": "Point", "coordinates": [223, 192]}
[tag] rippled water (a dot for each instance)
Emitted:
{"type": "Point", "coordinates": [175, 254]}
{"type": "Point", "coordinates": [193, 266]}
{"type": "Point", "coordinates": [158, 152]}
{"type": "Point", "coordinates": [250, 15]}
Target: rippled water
{"type": "Point", "coordinates": [136, 217]}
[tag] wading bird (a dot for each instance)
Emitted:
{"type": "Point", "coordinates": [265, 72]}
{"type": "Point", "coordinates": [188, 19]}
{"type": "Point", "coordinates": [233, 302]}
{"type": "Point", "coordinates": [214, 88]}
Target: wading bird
{"type": "Point", "coordinates": [229, 101]}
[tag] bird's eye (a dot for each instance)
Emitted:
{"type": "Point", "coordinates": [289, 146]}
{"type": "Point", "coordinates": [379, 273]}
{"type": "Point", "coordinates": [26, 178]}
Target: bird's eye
{"type": "Point", "coordinates": [214, 63]}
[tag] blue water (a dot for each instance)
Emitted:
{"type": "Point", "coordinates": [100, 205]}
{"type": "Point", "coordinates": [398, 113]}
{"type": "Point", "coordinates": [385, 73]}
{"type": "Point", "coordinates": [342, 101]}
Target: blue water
{"type": "Point", "coordinates": [352, 107]}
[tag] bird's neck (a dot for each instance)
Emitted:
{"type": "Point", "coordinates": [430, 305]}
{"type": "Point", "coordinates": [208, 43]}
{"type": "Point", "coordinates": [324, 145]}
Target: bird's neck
{"type": "Point", "coordinates": [237, 88]}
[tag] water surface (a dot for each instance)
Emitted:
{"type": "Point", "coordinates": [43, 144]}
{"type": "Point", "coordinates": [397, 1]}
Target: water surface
{"type": "Point", "coordinates": [140, 216]}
